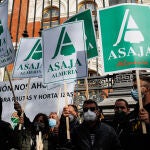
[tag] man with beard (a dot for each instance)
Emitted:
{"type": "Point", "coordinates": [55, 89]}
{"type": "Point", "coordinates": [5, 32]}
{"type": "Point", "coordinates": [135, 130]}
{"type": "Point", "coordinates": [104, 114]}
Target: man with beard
{"type": "Point", "coordinates": [121, 116]}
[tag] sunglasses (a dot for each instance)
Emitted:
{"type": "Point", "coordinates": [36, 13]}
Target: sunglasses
{"type": "Point", "coordinates": [85, 109]}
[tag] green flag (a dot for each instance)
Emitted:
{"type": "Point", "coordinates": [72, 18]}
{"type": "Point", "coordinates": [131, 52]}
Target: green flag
{"type": "Point", "coordinates": [125, 39]}
{"type": "Point", "coordinates": [91, 45]}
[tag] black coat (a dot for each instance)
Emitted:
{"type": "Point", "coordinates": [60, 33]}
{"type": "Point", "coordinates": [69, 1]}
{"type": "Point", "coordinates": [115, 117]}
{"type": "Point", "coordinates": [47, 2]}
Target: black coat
{"type": "Point", "coordinates": [105, 137]}
{"type": "Point", "coordinates": [6, 136]}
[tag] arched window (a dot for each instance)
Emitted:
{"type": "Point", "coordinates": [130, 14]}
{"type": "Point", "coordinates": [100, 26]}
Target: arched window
{"type": "Point", "coordinates": [89, 4]}
{"type": "Point", "coordinates": [50, 16]}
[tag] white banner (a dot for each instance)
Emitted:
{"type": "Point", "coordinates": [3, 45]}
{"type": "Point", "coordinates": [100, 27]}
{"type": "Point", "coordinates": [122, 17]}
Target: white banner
{"type": "Point", "coordinates": [39, 99]}
{"type": "Point", "coordinates": [64, 53]}
{"type": "Point", "coordinates": [3, 26]}
{"type": "Point", "coordinates": [28, 62]}
{"type": "Point", "coordinates": [2, 73]}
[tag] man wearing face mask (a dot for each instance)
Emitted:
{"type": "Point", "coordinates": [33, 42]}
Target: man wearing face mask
{"type": "Point", "coordinates": [136, 139]}
{"type": "Point", "coordinates": [93, 134]}
{"type": "Point", "coordinates": [144, 113]}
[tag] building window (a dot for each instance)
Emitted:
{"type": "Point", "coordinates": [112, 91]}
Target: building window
{"type": "Point", "coordinates": [89, 4]}
{"type": "Point", "coordinates": [114, 2]}
{"type": "Point", "coordinates": [50, 17]}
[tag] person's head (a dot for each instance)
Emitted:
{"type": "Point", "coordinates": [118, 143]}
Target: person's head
{"type": "Point", "coordinates": [73, 112]}
{"type": "Point", "coordinates": [121, 105]}
{"type": "Point", "coordinates": [121, 110]}
{"type": "Point", "coordinates": [40, 123]}
{"type": "Point", "coordinates": [53, 115]}
{"type": "Point", "coordinates": [53, 119]}
{"type": "Point", "coordinates": [91, 111]}
{"type": "Point", "coordinates": [145, 89]}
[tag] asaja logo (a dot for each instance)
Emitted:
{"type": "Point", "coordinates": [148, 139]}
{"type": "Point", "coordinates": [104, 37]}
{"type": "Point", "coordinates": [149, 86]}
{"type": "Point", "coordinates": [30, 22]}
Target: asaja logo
{"type": "Point", "coordinates": [36, 51]}
{"type": "Point", "coordinates": [129, 37]}
{"type": "Point", "coordinates": [32, 63]}
{"type": "Point", "coordinates": [129, 31]}
{"type": "Point", "coordinates": [64, 46]}
{"type": "Point", "coordinates": [125, 37]}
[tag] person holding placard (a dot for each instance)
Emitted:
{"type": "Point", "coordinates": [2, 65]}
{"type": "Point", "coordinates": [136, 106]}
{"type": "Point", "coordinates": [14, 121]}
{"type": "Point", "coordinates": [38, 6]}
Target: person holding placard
{"type": "Point", "coordinates": [134, 137]}
{"type": "Point", "coordinates": [34, 135]}
{"type": "Point", "coordinates": [70, 111]}
{"type": "Point", "coordinates": [142, 114]}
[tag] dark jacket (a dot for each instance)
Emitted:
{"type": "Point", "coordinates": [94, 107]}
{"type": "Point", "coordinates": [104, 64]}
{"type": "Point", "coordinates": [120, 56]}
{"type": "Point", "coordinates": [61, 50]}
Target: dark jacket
{"type": "Point", "coordinates": [132, 136]}
{"type": "Point", "coordinates": [27, 141]}
{"type": "Point", "coordinates": [135, 122]}
{"type": "Point", "coordinates": [105, 137]}
{"type": "Point", "coordinates": [7, 140]}
{"type": "Point", "coordinates": [26, 137]}
{"type": "Point", "coordinates": [62, 129]}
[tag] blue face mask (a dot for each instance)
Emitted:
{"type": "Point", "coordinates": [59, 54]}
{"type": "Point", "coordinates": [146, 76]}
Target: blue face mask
{"type": "Point", "coordinates": [135, 95]}
{"type": "Point", "coordinates": [52, 122]}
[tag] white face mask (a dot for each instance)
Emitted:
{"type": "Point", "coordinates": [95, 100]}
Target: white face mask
{"type": "Point", "coordinates": [89, 115]}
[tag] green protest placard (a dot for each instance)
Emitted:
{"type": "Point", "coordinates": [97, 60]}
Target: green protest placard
{"type": "Point", "coordinates": [86, 16]}
{"type": "Point", "coordinates": [125, 38]}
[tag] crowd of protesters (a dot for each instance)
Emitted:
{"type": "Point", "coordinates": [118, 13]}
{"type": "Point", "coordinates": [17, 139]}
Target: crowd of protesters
{"type": "Point", "coordinates": [123, 132]}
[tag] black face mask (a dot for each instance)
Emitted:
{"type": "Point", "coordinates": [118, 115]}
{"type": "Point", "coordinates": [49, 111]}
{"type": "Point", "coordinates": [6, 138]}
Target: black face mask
{"type": "Point", "coordinates": [120, 116]}
{"type": "Point", "coordinates": [39, 126]}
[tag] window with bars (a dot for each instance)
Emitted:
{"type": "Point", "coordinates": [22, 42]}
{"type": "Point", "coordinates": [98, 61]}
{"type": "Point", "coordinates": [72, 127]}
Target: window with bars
{"type": "Point", "coordinates": [88, 5]}
{"type": "Point", "coordinates": [50, 16]}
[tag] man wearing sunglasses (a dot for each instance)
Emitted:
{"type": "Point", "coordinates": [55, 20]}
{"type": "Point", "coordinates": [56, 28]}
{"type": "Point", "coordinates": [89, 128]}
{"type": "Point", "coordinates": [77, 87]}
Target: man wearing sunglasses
{"type": "Point", "coordinates": [93, 134]}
